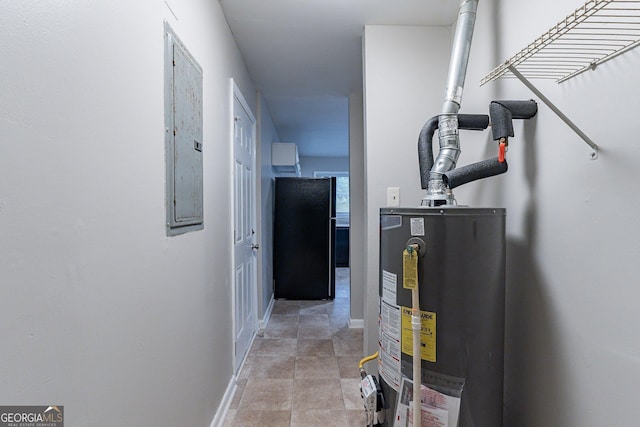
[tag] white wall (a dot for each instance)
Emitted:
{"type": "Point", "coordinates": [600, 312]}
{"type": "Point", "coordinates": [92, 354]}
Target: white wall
{"type": "Point", "coordinates": [572, 345]}
{"type": "Point", "coordinates": [100, 311]}
{"type": "Point", "coordinates": [268, 135]}
{"type": "Point", "coordinates": [309, 165]}
{"type": "Point", "coordinates": [356, 206]}
{"type": "Point", "coordinates": [404, 71]}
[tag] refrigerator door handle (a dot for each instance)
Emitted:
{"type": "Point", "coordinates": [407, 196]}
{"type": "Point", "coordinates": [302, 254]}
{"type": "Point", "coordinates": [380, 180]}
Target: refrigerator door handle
{"type": "Point", "coordinates": [330, 256]}
{"type": "Point", "coordinates": [332, 232]}
{"type": "Point", "coordinates": [332, 259]}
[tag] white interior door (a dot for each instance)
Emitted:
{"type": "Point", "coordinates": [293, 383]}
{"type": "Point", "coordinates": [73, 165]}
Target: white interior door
{"type": "Point", "coordinates": [245, 279]}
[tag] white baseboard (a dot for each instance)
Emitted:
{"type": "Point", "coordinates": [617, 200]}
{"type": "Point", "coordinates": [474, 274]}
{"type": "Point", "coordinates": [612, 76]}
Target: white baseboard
{"type": "Point", "coordinates": [267, 314]}
{"type": "Point", "coordinates": [223, 409]}
{"type": "Point", "coordinates": [356, 323]}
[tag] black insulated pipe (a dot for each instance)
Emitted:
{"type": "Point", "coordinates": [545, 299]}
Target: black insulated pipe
{"type": "Point", "coordinates": [474, 171]}
{"type": "Point", "coordinates": [425, 150]}
{"type": "Point", "coordinates": [503, 112]}
{"type": "Point", "coordinates": [473, 121]}
{"type": "Point", "coordinates": [425, 140]}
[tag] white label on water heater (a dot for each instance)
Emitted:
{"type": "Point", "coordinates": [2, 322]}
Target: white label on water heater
{"type": "Point", "coordinates": [389, 336]}
{"type": "Point", "coordinates": [389, 367]}
{"type": "Point", "coordinates": [389, 287]}
{"type": "Point", "coordinates": [438, 409]}
{"type": "Point", "coordinates": [390, 318]}
{"type": "Point", "coordinates": [417, 226]}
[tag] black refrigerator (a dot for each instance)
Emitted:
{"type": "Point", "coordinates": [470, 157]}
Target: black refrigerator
{"type": "Point", "coordinates": [304, 238]}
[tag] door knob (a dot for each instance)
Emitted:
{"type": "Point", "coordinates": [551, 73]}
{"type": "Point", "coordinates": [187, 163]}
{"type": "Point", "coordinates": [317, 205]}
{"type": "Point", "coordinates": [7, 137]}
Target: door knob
{"type": "Point", "coordinates": [255, 246]}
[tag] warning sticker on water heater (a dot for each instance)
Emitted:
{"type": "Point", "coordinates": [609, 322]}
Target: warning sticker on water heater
{"type": "Point", "coordinates": [389, 287]}
{"type": "Point", "coordinates": [427, 334]}
{"type": "Point", "coordinates": [390, 320]}
{"type": "Point", "coordinates": [417, 226]}
{"type": "Point", "coordinates": [389, 336]}
{"type": "Point", "coordinates": [437, 409]}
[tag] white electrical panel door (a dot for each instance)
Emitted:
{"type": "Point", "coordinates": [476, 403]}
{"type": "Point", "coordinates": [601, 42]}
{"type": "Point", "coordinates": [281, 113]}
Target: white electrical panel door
{"type": "Point", "coordinates": [184, 145]}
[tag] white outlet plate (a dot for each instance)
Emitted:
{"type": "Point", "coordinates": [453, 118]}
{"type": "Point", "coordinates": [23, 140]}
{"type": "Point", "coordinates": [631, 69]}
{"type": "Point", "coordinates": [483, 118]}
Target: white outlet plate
{"type": "Point", "coordinates": [393, 196]}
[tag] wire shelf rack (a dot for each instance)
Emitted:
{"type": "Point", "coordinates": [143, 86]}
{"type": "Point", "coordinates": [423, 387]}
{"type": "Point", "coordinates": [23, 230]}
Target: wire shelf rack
{"type": "Point", "coordinates": [594, 33]}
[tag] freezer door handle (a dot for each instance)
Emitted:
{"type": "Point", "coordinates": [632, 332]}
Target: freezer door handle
{"type": "Point", "coordinates": [255, 246]}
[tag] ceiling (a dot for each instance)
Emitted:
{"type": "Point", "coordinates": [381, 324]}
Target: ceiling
{"type": "Point", "coordinates": [305, 58]}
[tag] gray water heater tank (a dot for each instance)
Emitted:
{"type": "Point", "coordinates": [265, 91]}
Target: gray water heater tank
{"type": "Point", "coordinates": [461, 276]}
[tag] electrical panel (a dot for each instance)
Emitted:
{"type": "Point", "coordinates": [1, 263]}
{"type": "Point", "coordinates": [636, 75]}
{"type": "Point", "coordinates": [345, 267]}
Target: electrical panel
{"type": "Point", "coordinates": [183, 137]}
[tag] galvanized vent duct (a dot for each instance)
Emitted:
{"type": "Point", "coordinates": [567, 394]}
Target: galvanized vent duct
{"type": "Point", "coordinates": [437, 191]}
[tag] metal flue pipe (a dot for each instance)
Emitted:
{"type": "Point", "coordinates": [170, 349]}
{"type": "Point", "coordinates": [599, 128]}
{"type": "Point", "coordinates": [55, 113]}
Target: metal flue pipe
{"type": "Point", "coordinates": [437, 191]}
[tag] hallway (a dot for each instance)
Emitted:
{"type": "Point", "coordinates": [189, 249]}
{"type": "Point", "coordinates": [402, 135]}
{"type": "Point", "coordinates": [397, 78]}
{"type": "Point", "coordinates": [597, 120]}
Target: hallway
{"type": "Point", "coordinates": [302, 369]}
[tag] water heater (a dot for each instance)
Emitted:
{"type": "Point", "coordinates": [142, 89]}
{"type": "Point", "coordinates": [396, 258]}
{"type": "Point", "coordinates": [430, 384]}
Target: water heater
{"type": "Point", "coordinates": [460, 266]}
{"type": "Point", "coordinates": [442, 275]}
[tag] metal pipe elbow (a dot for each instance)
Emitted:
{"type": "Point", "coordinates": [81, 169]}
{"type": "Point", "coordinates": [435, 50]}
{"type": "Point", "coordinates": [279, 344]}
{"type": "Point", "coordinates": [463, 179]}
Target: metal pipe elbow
{"type": "Point", "coordinates": [448, 135]}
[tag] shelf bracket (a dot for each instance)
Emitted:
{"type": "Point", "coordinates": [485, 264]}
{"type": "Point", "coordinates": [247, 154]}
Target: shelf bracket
{"type": "Point", "coordinates": [551, 105]}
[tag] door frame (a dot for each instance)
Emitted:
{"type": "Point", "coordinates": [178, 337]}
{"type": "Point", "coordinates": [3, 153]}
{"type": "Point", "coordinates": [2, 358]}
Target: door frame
{"type": "Point", "coordinates": [235, 92]}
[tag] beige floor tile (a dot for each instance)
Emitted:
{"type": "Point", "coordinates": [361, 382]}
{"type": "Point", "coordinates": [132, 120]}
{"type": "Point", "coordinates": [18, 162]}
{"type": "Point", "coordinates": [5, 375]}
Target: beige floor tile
{"type": "Point", "coordinates": [252, 418]}
{"type": "Point", "coordinates": [235, 402]}
{"type": "Point", "coordinates": [351, 393]}
{"type": "Point", "coordinates": [315, 347]}
{"type": "Point", "coordinates": [348, 366]}
{"type": "Point", "coordinates": [314, 307]}
{"type": "Point", "coordinates": [316, 367]}
{"type": "Point", "coordinates": [249, 358]}
{"type": "Point", "coordinates": [281, 331]}
{"type": "Point", "coordinates": [285, 307]}
{"type": "Point", "coordinates": [278, 346]}
{"type": "Point", "coordinates": [341, 291]}
{"type": "Point", "coordinates": [255, 346]}
{"type": "Point", "coordinates": [351, 334]}
{"type": "Point", "coordinates": [267, 394]}
{"type": "Point", "coordinates": [323, 394]}
{"type": "Point", "coordinates": [338, 313]}
{"type": "Point", "coordinates": [319, 418]}
{"type": "Point", "coordinates": [336, 324]}
{"type": "Point", "coordinates": [245, 370]}
{"type": "Point", "coordinates": [313, 320]}
{"type": "Point", "coordinates": [356, 418]}
{"type": "Point", "coordinates": [343, 273]}
{"type": "Point", "coordinates": [301, 341]}
{"type": "Point", "coordinates": [273, 367]}
{"type": "Point", "coordinates": [314, 332]}
{"type": "Point", "coordinates": [283, 319]}
{"type": "Point", "coordinates": [347, 347]}
{"type": "Point", "coordinates": [228, 420]}
{"type": "Point", "coordinates": [339, 304]}
{"type": "Point", "coordinates": [314, 303]}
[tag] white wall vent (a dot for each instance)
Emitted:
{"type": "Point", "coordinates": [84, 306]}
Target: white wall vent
{"type": "Point", "coordinates": [284, 158]}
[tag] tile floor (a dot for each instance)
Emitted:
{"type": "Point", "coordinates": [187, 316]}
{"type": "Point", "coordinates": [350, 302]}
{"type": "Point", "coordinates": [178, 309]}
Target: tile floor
{"type": "Point", "coordinates": [302, 369]}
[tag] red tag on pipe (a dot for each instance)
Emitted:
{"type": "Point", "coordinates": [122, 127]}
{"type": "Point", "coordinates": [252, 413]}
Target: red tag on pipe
{"type": "Point", "coordinates": [502, 148]}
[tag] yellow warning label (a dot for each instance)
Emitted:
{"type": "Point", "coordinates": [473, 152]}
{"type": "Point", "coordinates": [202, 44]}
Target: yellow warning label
{"type": "Point", "coordinates": [409, 269]}
{"type": "Point", "coordinates": [427, 334]}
